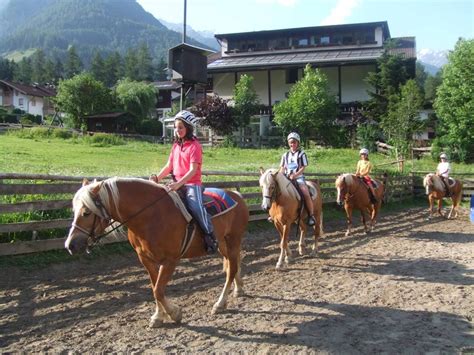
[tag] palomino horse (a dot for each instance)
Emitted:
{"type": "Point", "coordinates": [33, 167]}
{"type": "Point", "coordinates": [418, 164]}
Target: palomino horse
{"type": "Point", "coordinates": [353, 192]}
{"type": "Point", "coordinates": [435, 189]}
{"type": "Point", "coordinates": [156, 230]}
{"type": "Point", "coordinates": [281, 201]}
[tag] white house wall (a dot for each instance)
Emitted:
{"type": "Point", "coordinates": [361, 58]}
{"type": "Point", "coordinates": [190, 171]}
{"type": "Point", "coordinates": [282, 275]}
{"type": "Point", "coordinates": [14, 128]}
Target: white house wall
{"type": "Point", "coordinates": [353, 84]}
{"type": "Point", "coordinates": [27, 104]}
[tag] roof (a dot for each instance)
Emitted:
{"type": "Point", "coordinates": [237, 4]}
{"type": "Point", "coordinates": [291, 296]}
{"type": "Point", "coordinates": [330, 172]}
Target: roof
{"type": "Point", "coordinates": [296, 58]}
{"type": "Point", "coordinates": [107, 115]}
{"type": "Point", "coordinates": [191, 47]}
{"type": "Point", "coordinates": [31, 90]}
{"type": "Point", "coordinates": [167, 85]}
{"type": "Point", "coordinates": [285, 31]}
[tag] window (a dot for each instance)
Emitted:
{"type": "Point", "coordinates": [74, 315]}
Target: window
{"type": "Point", "coordinates": [20, 102]}
{"type": "Point", "coordinates": [324, 40]}
{"type": "Point", "coordinates": [291, 75]}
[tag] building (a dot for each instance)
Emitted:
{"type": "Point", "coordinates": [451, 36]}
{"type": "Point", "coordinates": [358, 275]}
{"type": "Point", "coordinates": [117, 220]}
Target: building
{"type": "Point", "coordinates": [33, 99]}
{"type": "Point", "coordinates": [276, 58]}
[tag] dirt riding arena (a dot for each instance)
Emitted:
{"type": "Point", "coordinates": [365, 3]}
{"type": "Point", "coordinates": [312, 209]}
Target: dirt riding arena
{"type": "Point", "coordinates": [406, 288]}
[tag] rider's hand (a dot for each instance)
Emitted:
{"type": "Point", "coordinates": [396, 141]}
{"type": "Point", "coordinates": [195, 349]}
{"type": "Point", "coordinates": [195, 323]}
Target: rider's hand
{"type": "Point", "coordinates": [173, 186]}
{"type": "Point", "coordinates": [153, 178]}
{"type": "Point", "coordinates": [292, 176]}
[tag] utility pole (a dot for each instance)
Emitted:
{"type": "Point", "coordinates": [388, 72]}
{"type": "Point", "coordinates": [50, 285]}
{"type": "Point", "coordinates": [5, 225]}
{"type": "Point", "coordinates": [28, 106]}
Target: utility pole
{"type": "Point", "coordinates": [181, 98]}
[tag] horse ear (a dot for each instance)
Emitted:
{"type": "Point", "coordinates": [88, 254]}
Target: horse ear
{"type": "Point", "coordinates": [85, 182]}
{"type": "Point", "coordinates": [96, 188]}
{"type": "Point", "coordinates": [261, 171]}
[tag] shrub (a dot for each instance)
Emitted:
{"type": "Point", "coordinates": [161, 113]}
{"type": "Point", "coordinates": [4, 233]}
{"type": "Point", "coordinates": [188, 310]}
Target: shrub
{"type": "Point", "coordinates": [367, 134]}
{"type": "Point", "coordinates": [104, 140]}
{"type": "Point", "coordinates": [62, 133]}
{"type": "Point", "coordinates": [26, 120]}
{"type": "Point", "coordinates": [150, 127]}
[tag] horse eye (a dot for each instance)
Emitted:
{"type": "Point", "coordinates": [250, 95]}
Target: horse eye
{"type": "Point", "coordinates": [86, 213]}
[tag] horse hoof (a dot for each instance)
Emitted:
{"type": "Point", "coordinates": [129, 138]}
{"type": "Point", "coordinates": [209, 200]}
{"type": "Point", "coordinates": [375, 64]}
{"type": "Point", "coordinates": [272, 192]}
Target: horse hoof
{"type": "Point", "coordinates": [155, 323]}
{"type": "Point", "coordinates": [347, 234]}
{"type": "Point", "coordinates": [302, 251]}
{"type": "Point", "coordinates": [279, 267]}
{"type": "Point", "coordinates": [176, 316]}
{"type": "Point", "coordinates": [218, 308]}
{"type": "Point", "coordinates": [239, 293]}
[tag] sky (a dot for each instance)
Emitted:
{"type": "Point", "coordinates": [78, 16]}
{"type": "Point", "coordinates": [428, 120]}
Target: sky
{"type": "Point", "coordinates": [436, 24]}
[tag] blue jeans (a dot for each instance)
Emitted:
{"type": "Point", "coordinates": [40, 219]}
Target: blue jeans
{"type": "Point", "coordinates": [196, 207]}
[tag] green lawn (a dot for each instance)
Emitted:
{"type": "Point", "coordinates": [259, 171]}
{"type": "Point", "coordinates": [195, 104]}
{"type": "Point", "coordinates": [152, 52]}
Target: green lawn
{"type": "Point", "coordinates": [79, 158]}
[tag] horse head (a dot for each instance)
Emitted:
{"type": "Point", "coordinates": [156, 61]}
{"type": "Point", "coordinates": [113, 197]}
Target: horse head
{"type": "Point", "coordinates": [343, 182]}
{"type": "Point", "coordinates": [268, 184]}
{"type": "Point", "coordinates": [91, 217]}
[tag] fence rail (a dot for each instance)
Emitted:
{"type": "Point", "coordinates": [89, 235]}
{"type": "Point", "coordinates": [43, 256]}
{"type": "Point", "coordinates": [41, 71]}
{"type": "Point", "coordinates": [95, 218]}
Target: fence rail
{"type": "Point", "coordinates": [26, 193]}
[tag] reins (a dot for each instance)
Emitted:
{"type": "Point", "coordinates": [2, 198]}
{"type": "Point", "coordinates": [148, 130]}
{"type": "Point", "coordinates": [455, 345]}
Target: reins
{"type": "Point", "coordinates": [95, 239]}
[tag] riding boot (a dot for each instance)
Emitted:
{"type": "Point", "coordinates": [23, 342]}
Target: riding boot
{"type": "Point", "coordinates": [211, 243]}
{"type": "Point", "coordinates": [311, 221]}
{"type": "Point", "coordinates": [372, 197]}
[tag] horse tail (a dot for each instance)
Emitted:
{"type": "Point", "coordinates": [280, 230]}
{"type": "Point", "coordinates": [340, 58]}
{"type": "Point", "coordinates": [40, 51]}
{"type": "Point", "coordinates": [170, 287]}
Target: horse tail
{"type": "Point", "coordinates": [321, 229]}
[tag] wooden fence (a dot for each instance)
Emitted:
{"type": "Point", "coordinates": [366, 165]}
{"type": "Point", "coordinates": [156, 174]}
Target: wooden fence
{"type": "Point", "coordinates": [21, 194]}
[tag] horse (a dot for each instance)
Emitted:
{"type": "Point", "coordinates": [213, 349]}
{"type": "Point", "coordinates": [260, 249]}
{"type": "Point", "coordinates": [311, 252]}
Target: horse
{"type": "Point", "coordinates": [156, 230]}
{"type": "Point", "coordinates": [435, 189]}
{"type": "Point", "coordinates": [354, 194]}
{"type": "Point", "coordinates": [280, 199]}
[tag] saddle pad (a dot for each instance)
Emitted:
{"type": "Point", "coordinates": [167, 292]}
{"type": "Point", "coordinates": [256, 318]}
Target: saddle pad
{"type": "Point", "coordinates": [180, 205]}
{"type": "Point", "coordinates": [217, 201]}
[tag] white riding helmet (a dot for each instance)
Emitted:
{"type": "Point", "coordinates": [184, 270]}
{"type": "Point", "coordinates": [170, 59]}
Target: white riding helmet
{"type": "Point", "coordinates": [294, 135]}
{"type": "Point", "coordinates": [443, 155]}
{"type": "Point", "coordinates": [364, 151]}
{"type": "Point", "coordinates": [187, 117]}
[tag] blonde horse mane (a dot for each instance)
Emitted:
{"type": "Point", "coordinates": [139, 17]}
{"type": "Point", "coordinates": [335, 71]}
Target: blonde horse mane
{"type": "Point", "coordinates": [437, 183]}
{"type": "Point", "coordinates": [85, 195]}
{"type": "Point", "coordinates": [286, 187]}
{"type": "Point", "coordinates": [348, 178]}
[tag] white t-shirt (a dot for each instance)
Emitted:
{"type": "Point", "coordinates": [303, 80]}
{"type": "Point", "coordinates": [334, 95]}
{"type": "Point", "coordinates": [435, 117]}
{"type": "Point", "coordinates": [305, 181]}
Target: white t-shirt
{"type": "Point", "coordinates": [443, 169]}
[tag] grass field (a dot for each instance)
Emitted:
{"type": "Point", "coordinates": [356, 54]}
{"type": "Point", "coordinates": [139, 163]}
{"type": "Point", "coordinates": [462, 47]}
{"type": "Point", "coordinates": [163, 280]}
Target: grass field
{"type": "Point", "coordinates": [80, 157]}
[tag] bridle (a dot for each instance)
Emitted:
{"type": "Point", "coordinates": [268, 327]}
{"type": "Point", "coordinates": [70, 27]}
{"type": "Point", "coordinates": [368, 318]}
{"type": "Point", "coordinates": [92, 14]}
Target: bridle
{"type": "Point", "coordinates": [92, 238]}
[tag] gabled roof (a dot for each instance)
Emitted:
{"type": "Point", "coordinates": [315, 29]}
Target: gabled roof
{"type": "Point", "coordinates": [166, 85]}
{"type": "Point", "coordinates": [35, 90]}
{"type": "Point", "coordinates": [286, 31]}
{"type": "Point", "coordinates": [340, 56]}
{"type": "Point", "coordinates": [406, 46]}
{"type": "Point", "coordinates": [107, 115]}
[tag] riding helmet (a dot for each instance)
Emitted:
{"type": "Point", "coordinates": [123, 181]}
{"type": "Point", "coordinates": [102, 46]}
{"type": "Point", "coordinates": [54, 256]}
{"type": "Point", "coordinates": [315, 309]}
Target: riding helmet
{"type": "Point", "coordinates": [443, 155]}
{"type": "Point", "coordinates": [187, 117]}
{"type": "Point", "coordinates": [364, 151]}
{"type": "Point", "coordinates": [294, 135]}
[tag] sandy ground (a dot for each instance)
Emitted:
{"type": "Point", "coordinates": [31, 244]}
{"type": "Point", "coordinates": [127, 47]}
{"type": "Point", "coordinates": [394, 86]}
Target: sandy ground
{"type": "Point", "coordinates": [407, 288]}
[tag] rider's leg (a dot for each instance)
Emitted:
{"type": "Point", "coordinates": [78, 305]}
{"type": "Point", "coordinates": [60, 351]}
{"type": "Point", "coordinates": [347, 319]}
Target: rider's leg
{"type": "Point", "coordinates": [308, 202]}
{"type": "Point", "coordinates": [446, 184]}
{"type": "Point", "coordinates": [196, 207]}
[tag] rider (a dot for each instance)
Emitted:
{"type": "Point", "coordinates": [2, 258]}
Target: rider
{"type": "Point", "coordinates": [443, 172]}
{"type": "Point", "coordinates": [185, 163]}
{"type": "Point", "coordinates": [292, 165]}
{"type": "Point", "coordinates": [364, 166]}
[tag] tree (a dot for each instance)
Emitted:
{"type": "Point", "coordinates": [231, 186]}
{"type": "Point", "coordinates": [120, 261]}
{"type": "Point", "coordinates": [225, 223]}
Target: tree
{"type": "Point", "coordinates": [38, 67]}
{"type": "Point", "coordinates": [7, 69]}
{"type": "Point", "coordinates": [310, 109]}
{"type": "Point", "coordinates": [145, 64]}
{"type": "Point", "coordinates": [82, 95]}
{"type": "Point", "coordinates": [245, 101]}
{"type": "Point", "coordinates": [98, 67]}
{"type": "Point", "coordinates": [137, 98]}
{"type": "Point", "coordinates": [403, 117]}
{"type": "Point", "coordinates": [454, 103]}
{"type": "Point", "coordinates": [73, 64]}
{"type": "Point", "coordinates": [386, 81]}
{"type": "Point", "coordinates": [113, 70]}
{"type": "Point", "coordinates": [131, 64]}
{"type": "Point", "coordinates": [431, 85]}
{"type": "Point", "coordinates": [23, 71]}
{"type": "Point", "coordinates": [160, 70]}
{"type": "Point", "coordinates": [215, 114]}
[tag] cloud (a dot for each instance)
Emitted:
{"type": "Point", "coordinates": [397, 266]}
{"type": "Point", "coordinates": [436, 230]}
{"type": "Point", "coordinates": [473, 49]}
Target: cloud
{"type": "Point", "coordinates": [287, 3]}
{"type": "Point", "coordinates": [340, 12]}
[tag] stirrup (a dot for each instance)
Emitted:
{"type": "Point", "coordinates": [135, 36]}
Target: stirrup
{"type": "Point", "coordinates": [311, 221]}
{"type": "Point", "coordinates": [210, 243]}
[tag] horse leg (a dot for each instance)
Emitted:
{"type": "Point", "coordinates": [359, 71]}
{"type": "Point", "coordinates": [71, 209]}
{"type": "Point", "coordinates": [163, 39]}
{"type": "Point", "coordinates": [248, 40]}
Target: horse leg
{"type": "Point", "coordinates": [440, 201]}
{"type": "Point", "coordinates": [158, 317]}
{"type": "Point", "coordinates": [232, 267]}
{"type": "Point", "coordinates": [164, 276]}
{"type": "Point", "coordinates": [363, 219]}
{"type": "Point", "coordinates": [302, 243]}
{"type": "Point", "coordinates": [238, 283]}
{"type": "Point", "coordinates": [318, 228]}
{"type": "Point", "coordinates": [349, 221]}
{"type": "Point", "coordinates": [288, 253]}
{"type": "Point", "coordinates": [283, 230]}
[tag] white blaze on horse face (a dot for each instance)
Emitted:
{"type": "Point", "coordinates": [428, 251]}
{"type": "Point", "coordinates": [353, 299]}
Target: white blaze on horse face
{"type": "Point", "coordinates": [266, 202]}
{"type": "Point", "coordinates": [70, 236]}
{"type": "Point", "coordinates": [338, 195]}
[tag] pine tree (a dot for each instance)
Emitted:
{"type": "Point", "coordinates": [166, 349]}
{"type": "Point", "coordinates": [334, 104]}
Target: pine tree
{"type": "Point", "coordinates": [145, 64]}
{"type": "Point", "coordinates": [98, 68]}
{"type": "Point", "coordinates": [73, 64]}
{"type": "Point", "coordinates": [38, 67]}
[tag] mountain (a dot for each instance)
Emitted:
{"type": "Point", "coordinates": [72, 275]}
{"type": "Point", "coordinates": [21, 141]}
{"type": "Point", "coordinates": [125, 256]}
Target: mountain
{"type": "Point", "coordinates": [89, 25]}
{"type": "Point", "coordinates": [205, 37]}
{"type": "Point", "coordinates": [432, 60]}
